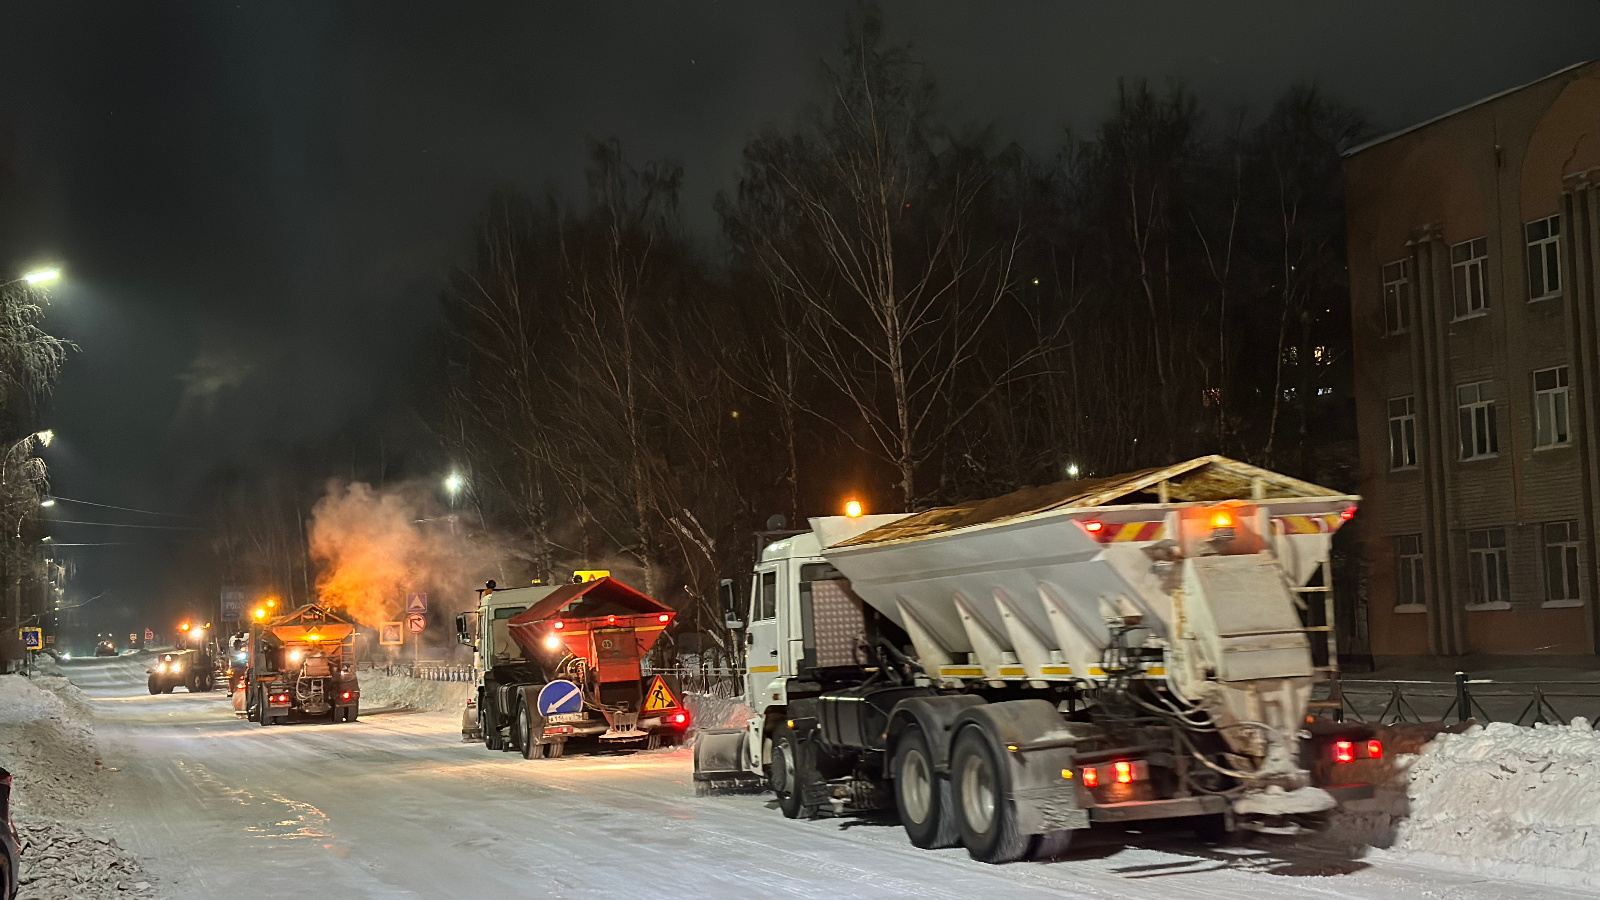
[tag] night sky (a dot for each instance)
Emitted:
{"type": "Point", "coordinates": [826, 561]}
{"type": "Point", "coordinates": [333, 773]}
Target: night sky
{"type": "Point", "coordinates": [256, 204]}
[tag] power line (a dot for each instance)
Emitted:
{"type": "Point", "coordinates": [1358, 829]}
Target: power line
{"type": "Point", "coordinates": [123, 525]}
{"type": "Point", "coordinates": [148, 512]}
{"type": "Point", "coordinates": [106, 544]}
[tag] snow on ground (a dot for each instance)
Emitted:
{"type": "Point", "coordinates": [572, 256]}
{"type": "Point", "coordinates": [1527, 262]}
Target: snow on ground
{"type": "Point", "coordinates": [47, 743]}
{"type": "Point", "coordinates": [1510, 801]}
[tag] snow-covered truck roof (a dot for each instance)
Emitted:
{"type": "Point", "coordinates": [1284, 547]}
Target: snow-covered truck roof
{"type": "Point", "coordinates": [1204, 479]}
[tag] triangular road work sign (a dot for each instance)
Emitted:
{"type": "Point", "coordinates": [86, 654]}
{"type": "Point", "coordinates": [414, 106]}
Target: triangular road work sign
{"type": "Point", "coordinates": [659, 697]}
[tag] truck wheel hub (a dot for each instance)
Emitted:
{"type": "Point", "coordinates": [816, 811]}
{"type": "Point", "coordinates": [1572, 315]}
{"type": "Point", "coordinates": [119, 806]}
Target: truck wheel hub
{"type": "Point", "coordinates": [916, 787]}
{"type": "Point", "coordinates": [977, 793]}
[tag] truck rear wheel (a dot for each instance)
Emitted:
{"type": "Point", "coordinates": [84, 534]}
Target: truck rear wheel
{"type": "Point", "coordinates": [793, 767]}
{"type": "Point", "coordinates": [921, 797]}
{"type": "Point", "coordinates": [988, 819]}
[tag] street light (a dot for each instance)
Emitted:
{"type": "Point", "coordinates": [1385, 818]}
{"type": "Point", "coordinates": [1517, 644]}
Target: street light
{"type": "Point", "coordinates": [48, 502]}
{"type": "Point", "coordinates": [454, 483]}
{"type": "Point", "coordinates": [42, 276]}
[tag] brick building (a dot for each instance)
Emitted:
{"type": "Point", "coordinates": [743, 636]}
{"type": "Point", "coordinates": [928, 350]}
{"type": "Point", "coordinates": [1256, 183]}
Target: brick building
{"type": "Point", "coordinates": [1474, 239]}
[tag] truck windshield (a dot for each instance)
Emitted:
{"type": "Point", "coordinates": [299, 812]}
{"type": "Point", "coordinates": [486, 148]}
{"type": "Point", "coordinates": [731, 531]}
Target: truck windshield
{"type": "Point", "coordinates": [502, 649]}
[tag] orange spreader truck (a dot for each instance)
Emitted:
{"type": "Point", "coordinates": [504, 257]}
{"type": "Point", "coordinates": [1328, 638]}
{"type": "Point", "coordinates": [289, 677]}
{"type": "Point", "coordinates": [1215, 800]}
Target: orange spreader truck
{"type": "Point", "coordinates": [300, 663]}
{"type": "Point", "coordinates": [564, 663]}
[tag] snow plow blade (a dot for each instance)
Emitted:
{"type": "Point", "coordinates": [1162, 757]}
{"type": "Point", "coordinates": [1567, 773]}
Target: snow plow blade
{"type": "Point", "coordinates": [719, 755]}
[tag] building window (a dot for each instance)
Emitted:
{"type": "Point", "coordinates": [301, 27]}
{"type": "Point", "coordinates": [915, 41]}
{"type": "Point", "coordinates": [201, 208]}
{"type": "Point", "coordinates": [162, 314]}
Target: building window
{"type": "Point", "coordinates": [1486, 555]}
{"type": "Point", "coordinates": [1561, 563]}
{"type": "Point", "coordinates": [1475, 404]}
{"type": "Point", "coordinates": [1410, 591]}
{"type": "Point", "coordinates": [1467, 263]}
{"type": "Point", "coordinates": [1544, 258]}
{"type": "Point", "coordinates": [1397, 297]}
{"type": "Point", "coordinates": [1550, 418]}
{"type": "Point", "coordinates": [1402, 433]}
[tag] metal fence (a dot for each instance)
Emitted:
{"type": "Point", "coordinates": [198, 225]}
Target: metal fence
{"type": "Point", "coordinates": [727, 684]}
{"type": "Point", "coordinates": [424, 671]}
{"type": "Point", "coordinates": [1390, 701]}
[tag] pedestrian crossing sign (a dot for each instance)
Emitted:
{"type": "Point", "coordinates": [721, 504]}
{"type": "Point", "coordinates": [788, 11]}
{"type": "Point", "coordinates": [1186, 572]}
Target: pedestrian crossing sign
{"type": "Point", "coordinates": [659, 696]}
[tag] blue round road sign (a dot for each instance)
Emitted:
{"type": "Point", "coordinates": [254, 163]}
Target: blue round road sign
{"type": "Point", "coordinates": [560, 698]}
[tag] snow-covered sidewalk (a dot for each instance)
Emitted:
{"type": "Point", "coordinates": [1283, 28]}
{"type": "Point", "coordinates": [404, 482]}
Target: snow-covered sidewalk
{"type": "Point", "coordinates": [47, 743]}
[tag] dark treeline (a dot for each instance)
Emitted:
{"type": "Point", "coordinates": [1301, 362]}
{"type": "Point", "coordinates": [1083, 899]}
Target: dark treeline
{"type": "Point", "coordinates": [905, 312]}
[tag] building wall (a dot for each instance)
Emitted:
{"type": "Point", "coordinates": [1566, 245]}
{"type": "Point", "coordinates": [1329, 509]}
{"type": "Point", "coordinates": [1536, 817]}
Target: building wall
{"type": "Point", "coordinates": [1483, 171]}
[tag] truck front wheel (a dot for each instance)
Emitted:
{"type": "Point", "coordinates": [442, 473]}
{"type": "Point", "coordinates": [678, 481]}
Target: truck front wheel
{"type": "Point", "coordinates": [793, 767]}
{"type": "Point", "coordinates": [921, 797]}
{"type": "Point", "coordinates": [988, 819]}
{"type": "Point", "coordinates": [531, 749]}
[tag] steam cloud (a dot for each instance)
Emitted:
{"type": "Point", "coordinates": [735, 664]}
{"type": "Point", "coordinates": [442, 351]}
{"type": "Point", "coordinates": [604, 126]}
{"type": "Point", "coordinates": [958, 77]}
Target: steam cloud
{"type": "Point", "coordinates": [373, 547]}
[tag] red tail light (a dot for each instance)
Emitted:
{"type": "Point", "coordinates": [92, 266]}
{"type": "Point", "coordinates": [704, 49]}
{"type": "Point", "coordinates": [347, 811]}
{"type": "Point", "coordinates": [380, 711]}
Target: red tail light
{"type": "Point", "coordinates": [1348, 513]}
{"type": "Point", "coordinates": [1091, 777]}
{"type": "Point", "coordinates": [611, 620]}
{"type": "Point", "coordinates": [663, 618]}
{"type": "Point", "coordinates": [345, 696]}
{"type": "Point", "coordinates": [559, 624]}
{"type": "Point", "coordinates": [680, 718]}
{"type": "Point", "coordinates": [1124, 772]}
{"type": "Point", "coordinates": [1344, 751]}
{"type": "Point", "coordinates": [1374, 749]}
{"type": "Point", "coordinates": [1094, 527]}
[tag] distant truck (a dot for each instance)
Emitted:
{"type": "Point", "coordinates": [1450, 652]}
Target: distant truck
{"type": "Point", "coordinates": [556, 664]}
{"type": "Point", "coordinates": [190, 664]}
{"type": "Point", "coordinates": [1007, 672]}
{"type": "Point", "coordinates": [301, 663]}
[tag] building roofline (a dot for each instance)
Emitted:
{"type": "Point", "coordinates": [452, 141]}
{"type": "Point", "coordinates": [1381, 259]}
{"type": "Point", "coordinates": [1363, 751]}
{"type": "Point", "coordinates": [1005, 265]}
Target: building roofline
{"type": "Point", "coordinates": [1460, 109]}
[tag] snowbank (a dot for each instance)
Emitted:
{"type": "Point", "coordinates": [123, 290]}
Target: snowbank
{"type": "Point", "coordinates": [47, 743]}
{"type": "Point", "coordinates": [380, 690]}
{"type": "Point", "coordinates": [60, 862]}
{"type": "Point", "coordinates": [1509, 801]}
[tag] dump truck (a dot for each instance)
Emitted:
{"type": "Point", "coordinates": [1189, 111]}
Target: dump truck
{"type": "Point", "coordinates": [301, 663]}
{"type": "Point", "coordinates": [190, 664]}
{"type": "Point", "coordinates": [1005, 673]}
{"type": "Point", "coordinates": [557, 664]}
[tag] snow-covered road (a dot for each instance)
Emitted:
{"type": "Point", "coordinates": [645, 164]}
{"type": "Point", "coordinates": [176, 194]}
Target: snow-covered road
{"type": "Point", "coordinates": [396, 806]}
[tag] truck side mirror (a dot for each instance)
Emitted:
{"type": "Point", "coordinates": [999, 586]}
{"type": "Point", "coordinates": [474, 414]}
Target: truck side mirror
{"type": "Point", "coordinates": [728, 592]}
{"type": "Point", "coordinates": [465, 629]}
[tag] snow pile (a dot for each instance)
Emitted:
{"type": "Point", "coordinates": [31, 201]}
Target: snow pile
{"type": "Point", "coordinates": [712, 711]}
{"type": "Point", "coordinates": [390, 691]}
{"type": "Point", "coordinates": [47, 742]}
{"type": "Point", "coordinates": [1509, 801]}
{"type": "Point", "coordinates": [60, 862]}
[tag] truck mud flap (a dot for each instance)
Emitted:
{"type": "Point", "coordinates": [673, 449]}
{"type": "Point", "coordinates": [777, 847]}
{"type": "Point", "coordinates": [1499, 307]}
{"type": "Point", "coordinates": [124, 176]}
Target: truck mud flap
{"type": "Point", "coordinates": [719, 755]}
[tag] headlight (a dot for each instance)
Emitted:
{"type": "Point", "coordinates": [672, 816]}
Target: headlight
{"type": "Point", "coordinates": [240, 657]}
{"type": "Point", "coordinates": [552, 641]}
{"type": "Point", "coordinates": [161, 667]}
{"type": "Point", "coordinates": [294, 656]}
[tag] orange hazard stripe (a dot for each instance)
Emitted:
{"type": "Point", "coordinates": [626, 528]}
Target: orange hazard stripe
{"type": "Point", "coordinates": [1133, 531]}
{"type": "Point", "coordinates": [1324, 524]}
